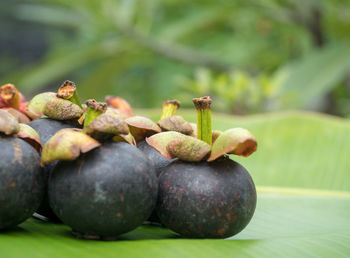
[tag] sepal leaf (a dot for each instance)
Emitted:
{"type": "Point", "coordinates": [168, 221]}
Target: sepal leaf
{"type": "Point", "coordinates": [187, 148]}
{"type": "Point", "coordinates": [106, 126]}
{"type": "Point", "coordinates": [8, 123]}
{"type": "Point", "coordinates": [160, 142]}
{"type": "Point", "coordinates": [29, 135]}
{"type": "Point", "coordinates": [142, 127]}
{"type": "Point", "coordinates": [35, 108]}
{"type": "Point", "coordinates": [61, 109]}
{"type": "Point", "coordinates": [177, 124]}
{"type": "Point", "coordinates": [67, 144]}
{"type": "Point", "coordinates": [238, 141]}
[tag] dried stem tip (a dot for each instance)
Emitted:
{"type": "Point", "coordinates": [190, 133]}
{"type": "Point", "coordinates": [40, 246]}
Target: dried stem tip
{"type": "Point", "coordinates": [169, 108]}
{"type": "Point", "coordinates": [94, 109]}
{"type": "Point", "coordinates": [11, 95]}
{"type": "Point", "coordinates": [202, 102]}
{"type": "Point", "coordinates": [97, 106]}
{"type": "Point", "coordinates": [203, 118]}
{"type": "Point", "coordinates": [68, 91]}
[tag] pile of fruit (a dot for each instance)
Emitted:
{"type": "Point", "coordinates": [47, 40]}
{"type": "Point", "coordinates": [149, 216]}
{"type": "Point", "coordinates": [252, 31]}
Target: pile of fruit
{"type": "Point", "coordinates": [103, 171]}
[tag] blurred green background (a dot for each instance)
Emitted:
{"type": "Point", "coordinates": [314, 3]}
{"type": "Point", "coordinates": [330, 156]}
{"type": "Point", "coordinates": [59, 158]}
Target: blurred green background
{"type": "Point", "coordinates": [251, 56]}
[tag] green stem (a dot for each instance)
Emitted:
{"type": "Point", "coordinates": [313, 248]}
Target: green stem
{"type": "Point", "coordinates": [69, 92]}
{"type": "Point", "coordinates": [75, 99]}
{"type": "Point", "coordinates": [94, 109]}
{"type": "Point", "coordinates": [169, 108]}
{"type": "Point", "coordinates": [204, 132]}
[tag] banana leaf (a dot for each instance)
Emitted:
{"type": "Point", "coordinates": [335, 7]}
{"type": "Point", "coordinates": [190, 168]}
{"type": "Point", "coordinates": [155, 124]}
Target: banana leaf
{"type": "Point", "coordinates": [302, 174]}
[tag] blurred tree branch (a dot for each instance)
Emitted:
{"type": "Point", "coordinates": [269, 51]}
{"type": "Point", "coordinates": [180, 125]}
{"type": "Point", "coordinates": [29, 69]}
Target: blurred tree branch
{"type": "Point", "coordinates": [172, 50]}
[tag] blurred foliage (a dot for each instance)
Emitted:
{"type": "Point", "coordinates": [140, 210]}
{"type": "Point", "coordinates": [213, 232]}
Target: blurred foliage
{"type": "Point", "coordinates": [236, 92]}
{"type": "Point", "coordinates": [252, 55]}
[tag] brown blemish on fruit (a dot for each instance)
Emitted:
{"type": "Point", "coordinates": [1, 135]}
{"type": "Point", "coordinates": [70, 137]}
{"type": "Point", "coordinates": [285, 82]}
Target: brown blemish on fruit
{"type": "Point", "coordinates": [81, 165]}
{"type": "Point", "coordinates": [221, 231]}
{"type": "Point", "coordinates": [218, 212]}
{"type": "Point", "coordinates": [237, 196]}
{"type": "Point", "coordinates": [17, 152]}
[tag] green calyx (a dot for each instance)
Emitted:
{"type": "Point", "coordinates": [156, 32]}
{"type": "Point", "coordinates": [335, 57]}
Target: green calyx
{"type": "Point", "coordinates": [208, 145]}
{"type": "Point", "coordinates": [94, 109]}
{"type": "Point", "coordinates": [204, 132]}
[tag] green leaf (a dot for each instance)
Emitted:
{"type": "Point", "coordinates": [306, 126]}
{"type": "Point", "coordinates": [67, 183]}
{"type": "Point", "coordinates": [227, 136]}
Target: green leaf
{"type": "Point", "coordinates": [302, 172]}
{"type": "Point", "coordinates": [287, 225]}
{"type": "Point", "coordinates": [310, 78]}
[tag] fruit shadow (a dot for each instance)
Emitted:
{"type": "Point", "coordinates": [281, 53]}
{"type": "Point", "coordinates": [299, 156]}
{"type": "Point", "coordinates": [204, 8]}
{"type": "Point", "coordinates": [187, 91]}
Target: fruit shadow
{"type": "Point", "coordinates": [13, 230]}
{"type": "Point", "coordinates": [144, 232]}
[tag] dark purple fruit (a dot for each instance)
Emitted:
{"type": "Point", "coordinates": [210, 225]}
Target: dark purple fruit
{"type": "Point", "coordinates": [159, 162]}
{"type": "Point", "coordinates": [105, 192]}
{"type": "Point", "coordinates": [21, 181]}
{"type": "Point", "coordinates": [206, 199]}
{"type": "Point", "coordinates": [46, 128]}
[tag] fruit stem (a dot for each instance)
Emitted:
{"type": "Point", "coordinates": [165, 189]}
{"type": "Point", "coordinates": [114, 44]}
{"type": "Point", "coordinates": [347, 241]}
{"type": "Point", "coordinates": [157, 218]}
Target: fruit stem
{"type": "Point", "coordinates": [93, 110]}
{"type": "Point", "coordinates": [69, 92]}
{"type": "Point", "coordinates": [203, 119]}
{"type": "Point", "coordinates": [169, 108]}
{"type": "Point", "coordinates": [10, 95]}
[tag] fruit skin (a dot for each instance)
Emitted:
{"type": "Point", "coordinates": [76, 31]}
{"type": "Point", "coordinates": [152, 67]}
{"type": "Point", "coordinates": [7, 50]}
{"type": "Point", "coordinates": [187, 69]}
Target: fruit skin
{"type": "Point", "coordinates": [46, 128]}
{"type": "Point", "coordinates": [158, 160]}
{"type": "Point", "coordinates": [21, 181]}
{"type": "Point", "coordinates": [105, 192]}
{"type": "Point", "coordinates": [206, 199]}
{"type": "Point", "coordinates": [159, 163]}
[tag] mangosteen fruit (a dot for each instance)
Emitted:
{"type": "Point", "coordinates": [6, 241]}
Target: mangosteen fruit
{"type": "Point", "coordinates": [159, 163]}
{"type": "Point", "coordinates": [201, 199]}
{"type": "Point", "coordinates": [167, 122]}
{"type": "Point", "coordinates": [53, 112]}
{"type": "Point", "coordinates": [110, 189]}
{"type": "Point", "coordinates": [21, 177]}
{"type": "Point", "coordinates": [106, 192]}
{"type": "Point", "coordinates": [158, 160]}
{"type": "Point", "coordinates": [46, 128]}
{"type": "Point", "coordinates": [204, 194]}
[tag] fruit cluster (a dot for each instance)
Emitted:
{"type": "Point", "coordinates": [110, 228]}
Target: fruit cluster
{"type": "Point", "coordinates": [103, 171]}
